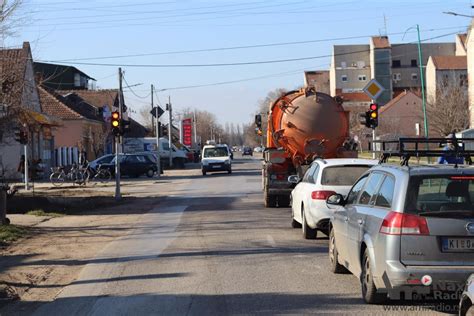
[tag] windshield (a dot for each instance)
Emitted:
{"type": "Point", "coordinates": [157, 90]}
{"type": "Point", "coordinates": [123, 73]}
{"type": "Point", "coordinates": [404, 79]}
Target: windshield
{"type": "Point", "coordinates": [428, 195]}
{"type": "Point", "coordinates": [342, 175]}
{"type": "Point", "coordinates": [215, 152]}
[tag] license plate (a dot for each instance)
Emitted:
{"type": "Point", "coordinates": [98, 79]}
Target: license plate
{"type": "Point", "coordinates": [458, 244]}
{"type": "Point", "coordinates": [216, 166]}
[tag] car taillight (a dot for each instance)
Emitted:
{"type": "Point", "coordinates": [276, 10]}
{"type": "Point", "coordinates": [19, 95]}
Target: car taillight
{"type": "Point", "coordinates": [321, 195]}
{"type": "Point", "coordinates": [404, 224]}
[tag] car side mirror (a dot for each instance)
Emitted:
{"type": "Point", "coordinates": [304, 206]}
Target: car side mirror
{"type": "Point", "coordinates": [335, 199]}
{"type": "Point", "coordinates": [294, 179]}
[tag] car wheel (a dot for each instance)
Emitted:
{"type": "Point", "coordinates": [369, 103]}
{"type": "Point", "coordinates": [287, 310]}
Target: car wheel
{"type": "Point", "coordinates": [294, 223]}
{"type": "Point", "coordinates": [308, 232]}
{"type": "Point", "coordinates": [229, 171]}
{"type": "Point", "coordinates": [369, 291]}
{"type": "Point", "coordinates": [334, 255]}
{"type": "Point", "coordinates": [270, 200]}
{"type": "Point", "coordinates": [204, 172]}
{"type": "Point", "coordinates": [150, 173]}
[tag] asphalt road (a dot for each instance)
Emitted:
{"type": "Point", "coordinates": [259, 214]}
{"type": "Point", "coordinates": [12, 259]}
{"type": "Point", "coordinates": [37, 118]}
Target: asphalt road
{"type": "Point", "coordinates": [211, 248]}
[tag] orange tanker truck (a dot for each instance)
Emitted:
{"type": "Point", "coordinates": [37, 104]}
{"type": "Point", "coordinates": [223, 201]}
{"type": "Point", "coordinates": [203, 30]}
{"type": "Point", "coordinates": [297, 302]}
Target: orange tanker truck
{"type": "Point", "coordinates": [303, 125]}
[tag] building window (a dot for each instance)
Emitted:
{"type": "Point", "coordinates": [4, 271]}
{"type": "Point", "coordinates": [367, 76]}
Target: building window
{"type": "Point", "coordinates": [77, 80]}
{"type": "Point", "coordinates": [343, 64]}
{"type": "Point", "coordinates": [344, 78]}
{"type": "Point", "coordinates": [396, 63]}
{"type": "Point", "coordinates": [396, 77]}
{"type": "Point", "coordinates": [414, 76]}
{"type": "Point", "coordinates": [362, 78]}
{"type": "Point", "coordinates": [463, 80]}
{"type": "Point", "coordinates": [414, 63]}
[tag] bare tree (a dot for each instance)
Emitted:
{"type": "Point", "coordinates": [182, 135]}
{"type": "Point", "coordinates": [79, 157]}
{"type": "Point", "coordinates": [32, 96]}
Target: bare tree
{"type": "Point", "coordinates": [9, 20]}
{"type": "Point", "coordinates": [449, 110]}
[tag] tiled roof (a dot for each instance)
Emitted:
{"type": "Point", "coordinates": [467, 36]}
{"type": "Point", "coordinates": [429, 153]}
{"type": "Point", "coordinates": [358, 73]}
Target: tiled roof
{"type": "Point", "coordinates": [52, 105]}
{"type": "Point", "coordinates": [463, 37]}
{"type": "Point", "coordinates": [380, 41]}
{"type": "Point", "coordinates": [354, 96]}
{"type": "Point", "coordinates": [97, 98]}
{"type": "Point", "coordinates": [79, 105]}
{"type": "Point", "coordinates": [450, 62]}
{"type": "Point", "coordinates": [12, 72]}
{"type": "Point", "coordinates": [396, 100]}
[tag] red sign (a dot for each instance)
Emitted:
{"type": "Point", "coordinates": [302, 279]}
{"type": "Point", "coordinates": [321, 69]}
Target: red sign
{"type": "Point", "coordinates": [187, 126]}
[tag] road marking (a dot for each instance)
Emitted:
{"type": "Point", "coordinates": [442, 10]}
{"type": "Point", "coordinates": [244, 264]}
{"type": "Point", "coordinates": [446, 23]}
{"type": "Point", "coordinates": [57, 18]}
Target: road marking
{"type": "Point", "coordinates": [157, 231]}
{"type": "Point", "coordinates": [271, 241]}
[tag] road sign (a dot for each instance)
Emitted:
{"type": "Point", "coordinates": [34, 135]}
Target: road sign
{"type": "Point", "coordinates": [160, 111]}
{"type": "Point", "coordinates": [373, 89]}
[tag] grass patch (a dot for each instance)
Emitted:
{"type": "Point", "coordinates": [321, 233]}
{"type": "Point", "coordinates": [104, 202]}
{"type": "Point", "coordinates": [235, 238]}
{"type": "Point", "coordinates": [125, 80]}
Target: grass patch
{"type": "Point", "coordinates": [9, 233]}
{"type": "Point", "coordinates": [43, 213]}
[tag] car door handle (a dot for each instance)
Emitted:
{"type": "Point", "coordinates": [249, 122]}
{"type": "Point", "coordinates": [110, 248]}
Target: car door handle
{"type": "Point", "coordinates": [360, 221]}
{"type": "Point", "coordinates": [346, 219]}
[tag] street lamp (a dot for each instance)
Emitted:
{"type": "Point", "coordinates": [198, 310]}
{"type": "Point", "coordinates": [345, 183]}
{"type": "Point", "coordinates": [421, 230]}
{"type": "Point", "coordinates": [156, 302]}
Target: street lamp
{"type": "Point", "coordinates": [422, 80]}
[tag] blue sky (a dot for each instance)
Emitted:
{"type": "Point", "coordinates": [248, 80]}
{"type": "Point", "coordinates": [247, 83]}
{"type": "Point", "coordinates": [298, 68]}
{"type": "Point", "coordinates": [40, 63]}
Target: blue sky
{"type": "Point", "coordinates": [74, 30]}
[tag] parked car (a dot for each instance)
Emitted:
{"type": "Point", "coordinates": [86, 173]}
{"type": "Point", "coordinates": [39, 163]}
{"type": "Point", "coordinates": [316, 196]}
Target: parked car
{"type": "Point", "coordinates": [189, 154]}
{"type": "Point", "coordinates": [399, 225]}
{"type": "Point", "coordinates": [247, 151]}
{"type": "Point", "coordinates": [94, 164]}
{"type": "Point", "coordinates": [215, 158]}
{"type": "Point", "coordinates": [322, 179]}
{"type": "Point", "coordinates": [467, 297]}
{"type": "Point", "coordinates": [134, 165]}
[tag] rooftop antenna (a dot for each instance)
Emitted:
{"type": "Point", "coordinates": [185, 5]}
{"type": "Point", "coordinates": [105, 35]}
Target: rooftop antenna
{"type": "Point", "coordinates": [385, 24]}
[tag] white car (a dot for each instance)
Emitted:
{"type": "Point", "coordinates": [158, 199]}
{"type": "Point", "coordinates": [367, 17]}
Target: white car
{"type": "Point", "coordinates": [465, 305]}
{"type": "Point", "coordinates": [216, 158]}
{"type": "Point", "coordinates": [322, 179]}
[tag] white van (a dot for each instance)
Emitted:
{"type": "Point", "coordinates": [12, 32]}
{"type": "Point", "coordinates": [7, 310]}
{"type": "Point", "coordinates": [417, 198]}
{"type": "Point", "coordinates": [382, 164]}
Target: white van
{"type": "Point", "coordinates": [215, 158]}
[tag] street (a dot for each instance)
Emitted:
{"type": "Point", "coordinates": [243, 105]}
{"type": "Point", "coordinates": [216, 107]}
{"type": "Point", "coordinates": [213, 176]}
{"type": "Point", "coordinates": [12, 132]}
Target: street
{"type": "Point", "coordinates": [208, 247]}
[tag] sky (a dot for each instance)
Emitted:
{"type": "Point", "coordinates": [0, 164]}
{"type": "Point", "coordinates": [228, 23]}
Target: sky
{"type": "Point", "coordinates": [156, 42]}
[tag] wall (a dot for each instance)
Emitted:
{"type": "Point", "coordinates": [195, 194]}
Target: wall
{"type": "Point", "coordinates": [470, 71]}
{"type": "Point", "coordinates": [400, 118]}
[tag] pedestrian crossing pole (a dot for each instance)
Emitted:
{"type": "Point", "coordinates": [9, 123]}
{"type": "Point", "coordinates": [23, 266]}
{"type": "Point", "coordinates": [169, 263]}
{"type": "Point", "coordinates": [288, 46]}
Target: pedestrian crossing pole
{"type": "Point", "coordinates": [118, 195]}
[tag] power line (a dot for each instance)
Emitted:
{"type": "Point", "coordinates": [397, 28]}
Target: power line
{"type": "Point", "coordinates": [234, 63]}
{"type": "Point", "coordinates": [247, 46]}
{"type": "Point", "coordinates": [133, 92]}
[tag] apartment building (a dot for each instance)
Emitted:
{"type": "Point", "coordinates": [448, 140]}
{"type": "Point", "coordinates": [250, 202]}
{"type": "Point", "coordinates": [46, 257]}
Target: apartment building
{"type": "Point", "coordinates": [444, 73]}
{"type": "Point", "coordinates": [319, 79]}
{"type": "Point", "coordinates": [394, 66]}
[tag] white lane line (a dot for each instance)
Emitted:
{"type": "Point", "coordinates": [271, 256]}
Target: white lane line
{"type": "Point", "coordinates": [271, 241]}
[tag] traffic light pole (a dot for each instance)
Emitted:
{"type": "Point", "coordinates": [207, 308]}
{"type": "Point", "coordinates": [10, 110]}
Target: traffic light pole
{"type": "Point", "coordinates": [157, 135]}
{"type": "Point", "coordinates": [170, 131]}
{"type": "Point", "coordinates": [25, 147]}
{"type": "Point", "coordinates": [118, 195]}
{"type": "Point", "coordinates": [373, 137]}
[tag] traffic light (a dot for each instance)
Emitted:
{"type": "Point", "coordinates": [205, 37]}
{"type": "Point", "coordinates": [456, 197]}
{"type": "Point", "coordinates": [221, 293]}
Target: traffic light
{"type": "Point", "coordinates": [21, 136]}
{"type": "Point", "coordinates": [374, 115]}
{"type": "Point", "coordinates": [125, 126]}
{"type": "Point", "coordinates": [116, 126]}
{"type": "Point", "coordinates": [164, 130]}
{"type": "Point", "coordinates": [258, 120]}
{"type": "Point", "coordinates": [364, 119]}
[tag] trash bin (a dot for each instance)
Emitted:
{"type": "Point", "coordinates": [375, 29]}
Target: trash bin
{"type": "Point", "coordinates": [3, 205]}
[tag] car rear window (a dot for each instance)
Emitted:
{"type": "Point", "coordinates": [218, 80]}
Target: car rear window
{"type": "Point", "coordinates": [342, 175]}
{"type": "Point", "coordinates": [435, 195]}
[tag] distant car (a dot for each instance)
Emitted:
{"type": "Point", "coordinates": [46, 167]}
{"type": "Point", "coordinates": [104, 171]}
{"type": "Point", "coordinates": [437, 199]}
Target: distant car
{"type": "Point", "coordinates": [94, 164]}
{"type": "Point", "coordinates": [215, 158]}
{"type": "Point", "coordinates": [247, 151]}
{"type": "Point", "coordinates": [134, 165]}
{"type": "Point", "coordinates": [467, 298]}
{"type": "Point", "coordinates": [322, 179]}
{"type": "Point", "coordinates": [405, 226]}
{"type": "Point", "coordinates": [189, 153]}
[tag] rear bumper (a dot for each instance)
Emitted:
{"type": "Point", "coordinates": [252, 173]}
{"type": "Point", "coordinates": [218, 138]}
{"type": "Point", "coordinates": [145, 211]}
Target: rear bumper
{"type": "Point", "coordinates": [447, 278]}
{"type": "Point", "coordinates": [279, 191]}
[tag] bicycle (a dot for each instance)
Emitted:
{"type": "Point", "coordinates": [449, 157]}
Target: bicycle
{"type": "Point", "coordinates": [77, 175]}
{"type": "Point", "coordinates": [103, 174]}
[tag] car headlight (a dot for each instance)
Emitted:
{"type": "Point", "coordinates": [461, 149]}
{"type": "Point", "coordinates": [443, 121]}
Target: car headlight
{"type": "Point", "coordinates": [205, 162]}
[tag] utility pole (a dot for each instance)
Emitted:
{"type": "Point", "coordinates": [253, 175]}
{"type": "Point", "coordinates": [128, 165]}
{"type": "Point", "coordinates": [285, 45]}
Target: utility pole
{"type": "Point", "coordinates": [170, 131]}
{"type": "Point", "coordinates": [118, 195]}
{"type": "Point", "coordinates": [152, 107]}
{"type": "Point", "coordinates": [25, 147]}
{"type": "Point", "coordinates": [157, 135]}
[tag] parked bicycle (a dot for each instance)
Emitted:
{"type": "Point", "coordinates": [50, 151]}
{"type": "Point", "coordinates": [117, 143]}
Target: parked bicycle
{"type": "Point", "coordinates": [76, 175]}
{"type": "Point", "coordinates": [102, 174]}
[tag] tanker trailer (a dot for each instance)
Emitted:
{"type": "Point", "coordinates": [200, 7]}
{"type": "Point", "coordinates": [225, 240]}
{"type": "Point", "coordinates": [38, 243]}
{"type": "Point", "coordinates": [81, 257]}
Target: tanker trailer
{"type": "Point", "coordinates": [303, 125]}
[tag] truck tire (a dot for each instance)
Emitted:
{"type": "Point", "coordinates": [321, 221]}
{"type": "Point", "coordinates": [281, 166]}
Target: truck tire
{"type": "Point", "coordinates": [270, 200]}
